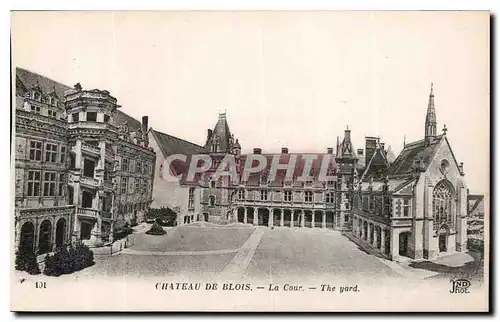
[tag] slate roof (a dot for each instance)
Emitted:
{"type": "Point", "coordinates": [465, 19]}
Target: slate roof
{"type": "Point", "coordinates": [222, 132]}
{"type": "Point", "coordinates": [29, 79]}
{"type": "Point", "coordinates": [405, 161]}
{"type": "Point", "coordinates": [26, 80]}
{"type": "Point", "coordinates": [475, 204]}
{"type": "Point", "coordinates": [170, 145]}
{"type": "Point", "coordinates": [131, 122]}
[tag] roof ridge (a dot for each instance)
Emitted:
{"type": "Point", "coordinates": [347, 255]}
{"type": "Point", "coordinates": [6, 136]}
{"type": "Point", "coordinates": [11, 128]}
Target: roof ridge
{"type": "Point", "coordinates": [40, 75]}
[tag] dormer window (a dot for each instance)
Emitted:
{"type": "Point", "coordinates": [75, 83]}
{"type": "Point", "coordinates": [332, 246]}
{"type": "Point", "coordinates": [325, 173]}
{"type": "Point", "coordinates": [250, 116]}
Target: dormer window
{"type": "Point", "coordinates": [35, 109]}
{"type": "Point", "coordinates": [37, 96]}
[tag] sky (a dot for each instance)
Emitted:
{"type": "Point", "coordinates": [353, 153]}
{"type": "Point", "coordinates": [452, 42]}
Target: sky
{"type": "Point", "coordinates": [285, 79]}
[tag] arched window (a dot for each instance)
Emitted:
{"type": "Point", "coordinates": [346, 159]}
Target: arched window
{"type": "Point", "coordinates": [443, 205]}
{"type": "Point", "coordinates": [211, 201]}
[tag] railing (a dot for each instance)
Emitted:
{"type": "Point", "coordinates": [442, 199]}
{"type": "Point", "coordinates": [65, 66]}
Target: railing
{"type": "Point", "coordinates": [40, 117]}
{"type": "Point", "coordinates": [91, 148]}
{"type": "Point", "coordinates": [92, 125]}
{"type": "Point", "coordinates": [282, 203]}
{"type": "Point", "coordinates": [89, 181]}
{"type": "Point", "coordinates": [88, 212]}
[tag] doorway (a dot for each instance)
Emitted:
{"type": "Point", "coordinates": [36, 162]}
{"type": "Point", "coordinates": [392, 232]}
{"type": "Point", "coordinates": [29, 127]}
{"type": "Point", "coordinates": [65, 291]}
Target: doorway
{"type": "Point", "coordinates": [403, 244]}
{"type": "Point", "coordinates": [442, 243]}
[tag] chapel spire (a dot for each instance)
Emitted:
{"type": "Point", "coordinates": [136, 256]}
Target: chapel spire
{"type": "Point", "coordinates": [430, 119]}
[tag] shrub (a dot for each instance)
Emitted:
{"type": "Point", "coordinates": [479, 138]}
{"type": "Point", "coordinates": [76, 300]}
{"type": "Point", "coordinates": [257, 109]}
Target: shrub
{"type": "Point", "coordinates": [156, 230]}
{"type": "Point", "coordinates": [163, 216]}
{"type": "Point", "coordinates": [26, 260]}
{"type": "Point", "coordinates": [83, 257]}
{"type": "Point", "coordinates": [67, 260]}
{"type": "Point", "coordinates": [120, 233]}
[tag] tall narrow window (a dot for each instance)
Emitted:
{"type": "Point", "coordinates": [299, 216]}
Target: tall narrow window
{"type": "Point", "coordinates": [308, 196]}
{"type": "Point", "coordinates": [49, 184]}
{"type": "Point", "coordinates": [124, 164]}
{"type": "Point", "coordinates": [35, 150]}
{"type": "Point", "coordinates": [442, 205]}
{"type": "Point", "coordinates": [406, 208]}
{"type": "Point", "coordinates": [124, 186]}
{"type": "Point", "coordinates": [263, 195]}
{"type": "Point", "coordinates": [33, 183]}
{"type": "Point", "coordinates": [50, 152]}
{"type": "Point", "coordinates": [287, 196]}
{"type": "Point", "coordinates": [63, 155]}
{"type": "Point", "coordinates": [211, 201]}
{"type": "Point", "coordinates": [76, 117]}
{"type": "Point", "coordinates": [137, 185]}
{"type": "Point", "coordinates": [88, 168]}
{"type": "Point", "coordinates": [61, 184]}
{"type": "Point", "coordinates": [191, 198]}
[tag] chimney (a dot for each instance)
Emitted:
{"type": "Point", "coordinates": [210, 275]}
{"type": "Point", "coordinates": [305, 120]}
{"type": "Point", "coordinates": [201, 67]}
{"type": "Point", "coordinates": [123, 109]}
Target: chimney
{"type": "Point", "coordinates": [145, 123]}
{"type": "Point", "coordinates": [360, 151]}
{"type": "Point", "coordinates": [329, 150]}
{"type": "Point", "coordinates": [209, 133]}
{"type": "Point", "coordinates": [382, 146]}
{"type": "Point", "coordinates": [284, 150]}
{"type": "Point", "coordinates": [370, 146]}
{"type": "Point", "coordinates": [257, 151]}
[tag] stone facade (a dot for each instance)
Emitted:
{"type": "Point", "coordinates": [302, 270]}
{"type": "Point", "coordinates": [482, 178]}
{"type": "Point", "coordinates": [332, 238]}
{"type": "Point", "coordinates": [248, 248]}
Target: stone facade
{"type": "Point", "coordinates": [415, 207]}
{"type": "Point", "coordinates": [69, 147]}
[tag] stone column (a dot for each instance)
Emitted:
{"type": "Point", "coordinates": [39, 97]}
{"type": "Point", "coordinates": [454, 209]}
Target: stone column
{"type": "Point", "coordinates": [292, 218]}
{"type": "Point", "coordinates": [53, 233]}
{"type": "Point", "coordinates": [256, 216]}
{"type": "Point", "coordinates": [394, 244]}
{"type": "Point", "coordinates": [382, 238]}
{"type": "Point", "coordinates": [282, 217]}
{"type": "Point", "coordinates": [323, 220]}
{"type": "Point", "coordinates": [313, 215]}
{"type": "Point", "coordinates": [245, 219]}
{"type": "Point", "coordinates": [375, 236]}
{"type": "Point", "coordinates": [270, 221]}
{"type": "Point", "coordinates": [302, 219]}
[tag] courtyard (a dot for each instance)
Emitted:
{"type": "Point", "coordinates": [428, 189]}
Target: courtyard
{"type": "Point", "coordinates": [242, 251]}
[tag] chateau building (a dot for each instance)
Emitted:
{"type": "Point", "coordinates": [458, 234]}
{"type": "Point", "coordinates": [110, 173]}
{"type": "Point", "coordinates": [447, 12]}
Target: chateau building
{"type": "Point", "coordinates": [82, 167]}
{"type": "Point", "coordinates": [277, 201]}
{"type": "Point", "coordinates": [416, 206]}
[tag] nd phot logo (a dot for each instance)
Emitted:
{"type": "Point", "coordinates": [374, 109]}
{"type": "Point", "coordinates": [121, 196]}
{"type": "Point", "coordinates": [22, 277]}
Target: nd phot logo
{"type": "Point", "coordinates": [460, 286]}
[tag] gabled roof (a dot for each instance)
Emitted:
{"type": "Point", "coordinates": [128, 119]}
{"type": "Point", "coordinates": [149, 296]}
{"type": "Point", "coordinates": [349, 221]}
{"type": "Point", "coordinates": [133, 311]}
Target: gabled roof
{"type": "Point", "coordinates": [221, 130]}
{"type": "Point", "coordinates": [412, 152]}
{"type": "Point", "coordinates": [377, 166]}
{"type": "Point", "coordinates": [475, 203]}
{"type": "Point", "coordinates": [170, 145]}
